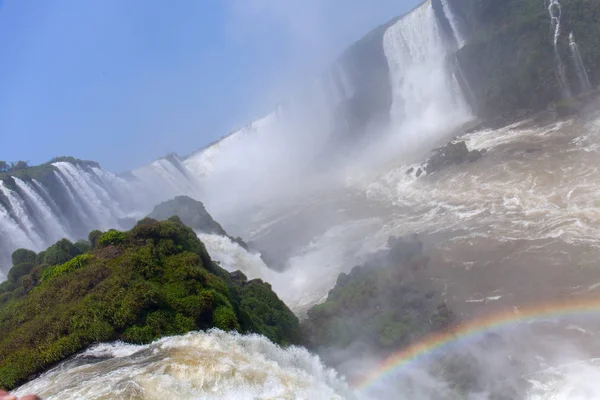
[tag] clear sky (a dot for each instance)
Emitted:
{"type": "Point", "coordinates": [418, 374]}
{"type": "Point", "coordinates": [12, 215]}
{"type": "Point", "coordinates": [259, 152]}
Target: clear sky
{"type": "Point", "coordinates": [124, 82]}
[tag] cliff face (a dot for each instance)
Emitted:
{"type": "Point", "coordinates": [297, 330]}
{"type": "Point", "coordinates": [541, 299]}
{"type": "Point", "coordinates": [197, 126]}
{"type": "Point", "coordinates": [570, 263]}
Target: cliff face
{"type": "Point", "coordinates": [509, 60]}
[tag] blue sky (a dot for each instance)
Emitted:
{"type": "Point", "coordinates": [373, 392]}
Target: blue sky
{"type": "Point", "coordinates": [124, 82]}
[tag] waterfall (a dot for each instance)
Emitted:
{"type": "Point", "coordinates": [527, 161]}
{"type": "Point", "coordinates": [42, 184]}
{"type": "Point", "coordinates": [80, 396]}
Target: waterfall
{"type": "Point", "coordinates": [555, 11]}
{"type": "Point", "coordinates": [76, 203]}
{"type": "Point", "coordinates": [13, 236]}
{"type": "Point", "coordinates": [50, 222]}
{"type": "Point", "coordinates": [21, 215]}
{"type": "Point", "coordinates": [94, 197]}
{"type": "Point", "coordinates": [426, 95]}
{"type": "Point", "coordinates": [584, 80]}
{"type": "Point", "coordinates": [456, 30]}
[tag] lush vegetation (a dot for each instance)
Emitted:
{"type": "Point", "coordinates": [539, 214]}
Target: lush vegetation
{"type": "Point", "coordinates": [380, 305]}
{"type": "Point", "coordinates": [154, 280]}
{"type": "Point", "coordinates": [510, 61]}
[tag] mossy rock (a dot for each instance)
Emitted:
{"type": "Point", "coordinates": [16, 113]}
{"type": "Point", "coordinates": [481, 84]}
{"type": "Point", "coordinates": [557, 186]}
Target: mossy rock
{"type": "Point", "coordinates": [154, 280]}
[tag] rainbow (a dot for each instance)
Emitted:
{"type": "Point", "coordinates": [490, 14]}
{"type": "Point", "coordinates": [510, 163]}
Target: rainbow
{"type": "Point", "coordinates": [471, 330]}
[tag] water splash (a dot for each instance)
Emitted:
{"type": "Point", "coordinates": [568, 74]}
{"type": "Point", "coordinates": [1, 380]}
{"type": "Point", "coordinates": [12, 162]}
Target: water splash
{"type": "Point", "coordinates": [582, 74]}
{"type": "Point", "coordinates": [201, 365]}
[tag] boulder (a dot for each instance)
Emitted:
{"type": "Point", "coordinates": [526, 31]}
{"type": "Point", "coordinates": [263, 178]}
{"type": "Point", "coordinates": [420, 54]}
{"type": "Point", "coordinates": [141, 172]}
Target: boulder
{"type": "Point", "coordinates": [451, 154]}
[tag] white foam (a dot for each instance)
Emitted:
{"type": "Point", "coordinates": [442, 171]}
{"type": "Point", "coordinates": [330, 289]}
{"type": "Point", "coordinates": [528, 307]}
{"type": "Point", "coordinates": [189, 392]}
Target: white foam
{"type": "Point", "coordinates": [203, 365]}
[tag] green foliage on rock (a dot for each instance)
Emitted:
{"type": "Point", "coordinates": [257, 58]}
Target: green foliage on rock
{"type": "Point", "coordinates": [23, 256]}
{"type": "Point", "coordinates": [383, 305]}
{"type": "Point", "coordinates": [111, 238]}
{"type": "Point", "coordinates": [154, 280]}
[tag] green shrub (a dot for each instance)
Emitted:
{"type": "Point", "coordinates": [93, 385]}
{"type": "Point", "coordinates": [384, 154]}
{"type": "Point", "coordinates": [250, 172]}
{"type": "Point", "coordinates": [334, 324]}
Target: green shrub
{"type": "Point", "coordinates": [83, 246]}
{"type": "Point", "coordinates": [93, 237]}
{"type": "Point", "coordinates": [20, 256]}
{"type": "Point", "coordinates": [7, 286]}
{"type": "Point", "coordinates": [56, 270]}
{"type": "Point", "coordinates": [60, 252]}
{"type": "Point", "coordinates": [111, 238]}
{"type": "Point", "coordinates": [224, 318]}
{"type": "Point", "coordinates": [20, 270]}
{"type": "Point", "coordinates": [39, 259]}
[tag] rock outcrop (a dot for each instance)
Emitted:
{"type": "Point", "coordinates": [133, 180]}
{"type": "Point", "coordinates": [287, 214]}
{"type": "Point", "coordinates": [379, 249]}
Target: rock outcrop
{"type": "Point", "coordinates": [380, 306]}
{"type": "Point", "coordinates": [152, 281]}
{"type": "Point", "coordinates": [451, 154]}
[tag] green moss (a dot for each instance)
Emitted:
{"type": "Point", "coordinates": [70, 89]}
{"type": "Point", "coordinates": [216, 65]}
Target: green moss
{"type": "Point", "coordinates": [159, 281]}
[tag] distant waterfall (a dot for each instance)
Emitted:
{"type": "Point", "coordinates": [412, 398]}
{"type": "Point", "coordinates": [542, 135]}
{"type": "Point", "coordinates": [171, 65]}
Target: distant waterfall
{"type": "Point", "coordinates": [73, 199]}
{"type": "Point", "coordinates": [50, 222]}
{"type": "Point", "coordinates": [555, 11]}
{"type": "Point", "coordinates": [426, 95]}
{"type": "Point", "coordinates": [584, 80]}
{"type": "Point", "coordinates": [21, 215]}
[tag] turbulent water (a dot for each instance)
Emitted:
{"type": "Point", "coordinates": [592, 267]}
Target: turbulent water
{"type": "Point", "coordinates": [211, 365]}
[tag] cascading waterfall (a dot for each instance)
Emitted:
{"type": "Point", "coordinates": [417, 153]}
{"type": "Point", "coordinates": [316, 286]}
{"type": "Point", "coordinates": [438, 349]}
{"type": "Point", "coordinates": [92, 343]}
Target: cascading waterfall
{"type": "Point", "coordinates": [74, 201]}
{"type": "Point", "coordinates": [105, 211]}
{"type": "Point", "coordinates": [555, 11]}
{"type": "Point", "coordinates": [13, 236]}
{"type": "Point", "coordinates": [427, 98]}
{"type": "Point", "coordinates": [50, 222]}
{"type": "Point", "coordinates": [21, 215]}
{"type": "Point", "coordinates": [582, 74]}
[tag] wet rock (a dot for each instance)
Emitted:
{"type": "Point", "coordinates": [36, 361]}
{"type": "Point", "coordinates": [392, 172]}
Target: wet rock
{"type": "Point", "coordinates": [452, 154]}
